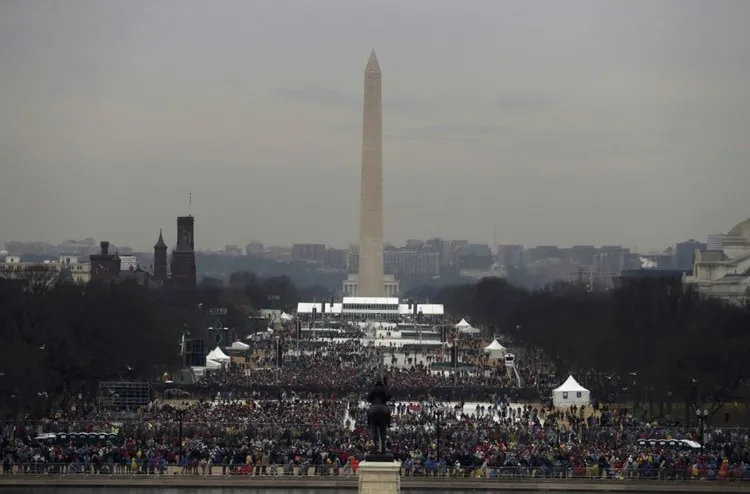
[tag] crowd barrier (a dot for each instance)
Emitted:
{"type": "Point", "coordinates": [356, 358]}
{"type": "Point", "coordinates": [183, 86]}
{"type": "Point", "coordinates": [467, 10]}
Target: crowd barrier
{"type": "Point", "coordinates": [92, 429]}
{"type": "Point", "coordinates": [445, 393]}
{"type": "Point", "coordinates": [347, 471]}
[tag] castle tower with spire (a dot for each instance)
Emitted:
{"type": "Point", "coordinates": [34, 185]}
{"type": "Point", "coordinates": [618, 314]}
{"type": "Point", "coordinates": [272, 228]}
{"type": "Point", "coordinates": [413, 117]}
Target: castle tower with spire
{"type": "Point", "coordinates": [183, 255]}
{"type": "Point", "coordinates": [160, 258]}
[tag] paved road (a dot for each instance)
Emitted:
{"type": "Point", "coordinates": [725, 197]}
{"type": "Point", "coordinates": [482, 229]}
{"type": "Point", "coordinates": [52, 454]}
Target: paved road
{"type": "Point", "coordinates": [407, 484]}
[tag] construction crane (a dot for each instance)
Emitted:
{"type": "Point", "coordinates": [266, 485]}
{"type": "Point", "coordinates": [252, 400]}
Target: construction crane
{"type": "Point", "coordinates": [510, 366]}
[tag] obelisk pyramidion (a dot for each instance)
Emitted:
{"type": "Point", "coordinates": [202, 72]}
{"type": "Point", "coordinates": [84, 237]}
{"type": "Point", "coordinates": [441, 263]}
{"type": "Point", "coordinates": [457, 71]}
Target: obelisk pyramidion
{"type": "Point", "coordinates": [370, 279]}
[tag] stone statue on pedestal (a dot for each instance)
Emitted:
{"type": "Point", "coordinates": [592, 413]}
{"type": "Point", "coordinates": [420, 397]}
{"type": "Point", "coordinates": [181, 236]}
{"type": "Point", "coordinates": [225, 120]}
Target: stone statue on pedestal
{"type": "Point", "coordinates": [379, 418]}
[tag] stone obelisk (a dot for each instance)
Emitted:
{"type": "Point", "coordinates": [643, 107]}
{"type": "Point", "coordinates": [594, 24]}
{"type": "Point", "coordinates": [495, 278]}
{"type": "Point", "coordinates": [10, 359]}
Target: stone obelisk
{"type": "Point", "coordinates": [370, 279]}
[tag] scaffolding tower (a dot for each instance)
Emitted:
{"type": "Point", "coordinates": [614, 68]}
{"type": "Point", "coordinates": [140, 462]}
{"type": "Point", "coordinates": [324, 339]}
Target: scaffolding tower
{"type": "Point", "coordinates": [510, 366]}
{"type": "Point", "coordinates": [124, 394]}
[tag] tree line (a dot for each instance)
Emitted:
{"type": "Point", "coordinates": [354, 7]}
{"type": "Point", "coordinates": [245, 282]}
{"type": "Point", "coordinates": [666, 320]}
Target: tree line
{"type": "Point", "coordinates": [649, 339]}
{"type": "Point", "coordinates": [58, 340]}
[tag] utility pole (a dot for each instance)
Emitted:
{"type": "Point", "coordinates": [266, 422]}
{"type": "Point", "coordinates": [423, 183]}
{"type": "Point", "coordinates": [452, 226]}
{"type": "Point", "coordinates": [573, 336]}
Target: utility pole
{"type": "Point", "coordinates": [180, 415]}
{"type": "Point", "coordinates": [278, 359]}
{"type": "Point", "coordinates": [438, 416]}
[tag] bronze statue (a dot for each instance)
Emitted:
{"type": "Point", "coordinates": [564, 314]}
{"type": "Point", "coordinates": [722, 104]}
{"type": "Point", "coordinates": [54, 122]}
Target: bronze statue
{"type": "Point", "coordinates": [379, 414]}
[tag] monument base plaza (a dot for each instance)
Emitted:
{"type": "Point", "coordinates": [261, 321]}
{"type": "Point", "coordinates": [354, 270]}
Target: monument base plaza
{"type": "Point", "coordinates": [373, 473]}
{"type": "Point", "coordinates": [379, 477]}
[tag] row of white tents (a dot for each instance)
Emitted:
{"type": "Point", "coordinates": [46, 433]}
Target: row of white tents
{"type": "Point", "coordinates": [216, 358]}
{"type": "Point", "coordinates": [568, 394]}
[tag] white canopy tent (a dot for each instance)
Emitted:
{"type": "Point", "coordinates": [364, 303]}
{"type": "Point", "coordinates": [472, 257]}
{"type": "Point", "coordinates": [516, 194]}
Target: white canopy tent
{"type": "Point", "coordinates": [217, 355]}
{"type": "Point", "coordinates": [495, 350]}
{"type": "Point", "coordinates": [570, 393]}
{"type": "Point", "coordinates": [212, 364]}
{"type": "Point", "coordinates": [285, 317]}
{"type": "Point", "coordinates": [463, 324]}
{"type": "Point", "coordinates": [238, 345]}
{"type": "Point", "coordinates": [465, 328]}
{"type": "Point", "coordinates": [469, 330]}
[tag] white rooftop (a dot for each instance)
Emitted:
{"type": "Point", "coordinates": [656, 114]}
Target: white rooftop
{"type": "Point", "coordinates": [338, 307]}
{"type": "Point", "coordinates": [371, 300]}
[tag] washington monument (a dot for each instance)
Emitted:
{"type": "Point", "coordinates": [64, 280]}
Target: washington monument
{"type": "Point", "coordinates": [370, 278]}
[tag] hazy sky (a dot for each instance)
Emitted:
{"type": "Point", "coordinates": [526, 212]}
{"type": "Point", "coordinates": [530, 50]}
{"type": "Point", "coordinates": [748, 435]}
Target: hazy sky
{"type": "Point", "coordinates": [556, 122]}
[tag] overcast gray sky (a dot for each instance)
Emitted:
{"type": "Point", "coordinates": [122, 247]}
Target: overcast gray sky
{"type": "Point", "coordinates": [557, 122]}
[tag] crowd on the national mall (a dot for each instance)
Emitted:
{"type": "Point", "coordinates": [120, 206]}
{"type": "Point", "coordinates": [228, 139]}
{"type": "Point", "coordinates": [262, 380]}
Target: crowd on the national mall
{"type": "Point", "coordinates": [255, 421]}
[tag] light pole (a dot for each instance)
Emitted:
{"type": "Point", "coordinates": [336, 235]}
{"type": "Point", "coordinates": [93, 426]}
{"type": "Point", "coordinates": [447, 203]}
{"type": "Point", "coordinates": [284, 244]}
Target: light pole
{"type": "Point", "coordinates": [180, 415]}
{"type": "Point", "coordinates": [702, 417]}
{"type": "Point", "coordinates": [438, 417]}
{"type": "Point", "coordinates": [278, 358]}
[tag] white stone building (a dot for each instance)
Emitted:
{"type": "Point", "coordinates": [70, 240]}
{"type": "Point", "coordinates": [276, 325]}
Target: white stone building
{"type": "Point", "coordinates": [725, 273]}
{"type": "Point", "coordinates": [78, 272]}
{"type": "Point", "coordinates": [351, 285]}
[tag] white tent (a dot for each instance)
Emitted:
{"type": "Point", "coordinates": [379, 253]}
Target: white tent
{"type": "Point", "coordinates": [238, 345]}
{"type": "Point", "coordinates": [463, 324]}
{"type": "Point", "coordinates": [469, 330]}
{"type": "Point", "coordinates": [212, 364]}
{"type": "Point", "coordinates": [465, 327]}
{"type": "Point", "coordinates": [495, 349]}
{"type": "Point", "coordinates": [570, 393]}
{"type": "Point", "coordinates": [217, 355]}
{"type": "Point", "coordinates": [285, 317]}
{"type": "Point", "coordinates": [269, 330]}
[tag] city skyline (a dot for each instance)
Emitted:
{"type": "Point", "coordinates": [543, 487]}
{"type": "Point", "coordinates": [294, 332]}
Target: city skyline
{"type": "Point", "coordinates": [586, 123]}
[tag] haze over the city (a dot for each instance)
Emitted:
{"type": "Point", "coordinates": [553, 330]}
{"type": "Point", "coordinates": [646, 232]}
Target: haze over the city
{"type": "Point", "coordinates": [556, 122]}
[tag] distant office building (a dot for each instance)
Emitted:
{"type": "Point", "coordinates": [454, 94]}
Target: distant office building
{"type": "Point", "coordinates": [309, 252]}
{"type": "Point", "coordinates": [685, 253]}
{"type": "Point", "coordinates": [336, 258]}
{"type": "Point", "coordinates": [473, 257]}
{"type": "Point", "coordinates": [542, 252]}
{"type": "Point", "coordinates": [352, 259]}
{"type": "Point", "coordinates": [254, 249]}
{"type": "Point", "coordinates": [650, 261]}
{"type": "Point", "coordinates": [614, 258]}
{"type": "Point", "coordinates": [582, 255]}
{"type": "Point", "coordinates": [510, 255]}
{"type": "Point", "coordinates": [407, 262]}
{"type": "Point", "coordinates": [232, 250]}
{"type": "Point", "coordinates": [401, 262]}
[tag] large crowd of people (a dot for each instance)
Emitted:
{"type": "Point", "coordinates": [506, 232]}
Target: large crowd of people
{"type": "Point", "coordinates": [314, 423]}
{"type": "Point", "coordinates": [330, 436]}
{"type": "Point", "coordinates": [349, 366]}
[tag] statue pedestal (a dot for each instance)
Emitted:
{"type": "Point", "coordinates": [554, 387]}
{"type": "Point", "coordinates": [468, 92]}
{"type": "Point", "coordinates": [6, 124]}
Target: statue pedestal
{"type": "Point", "coordinates": [379, 477]}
